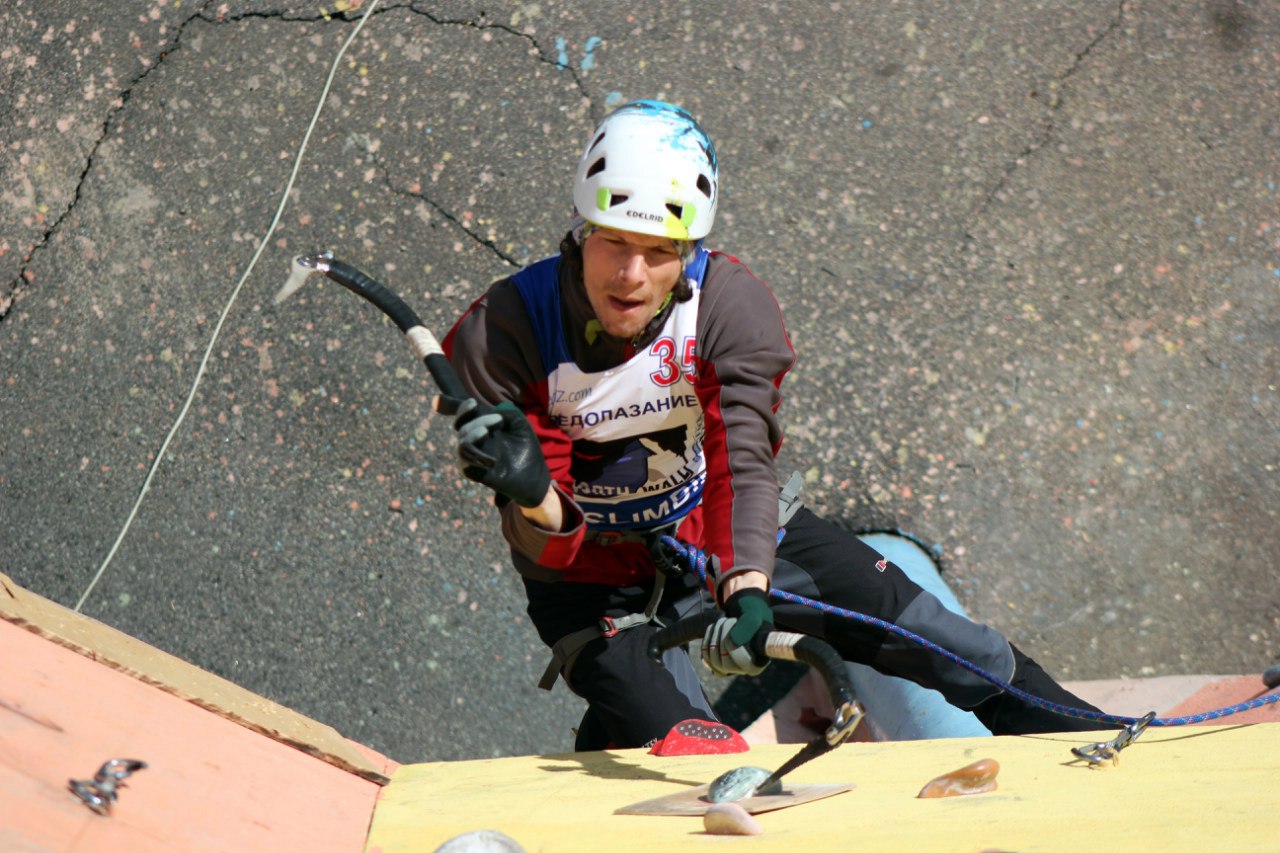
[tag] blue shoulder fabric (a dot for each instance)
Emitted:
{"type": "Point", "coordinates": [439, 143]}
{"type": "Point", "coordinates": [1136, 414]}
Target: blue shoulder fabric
{"type": "Point", "coordinates": [697, 267]}
{"type": "Point", "coordinates": [539, 286]}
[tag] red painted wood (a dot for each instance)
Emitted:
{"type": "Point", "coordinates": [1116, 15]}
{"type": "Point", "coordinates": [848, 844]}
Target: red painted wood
{"type": "Point", "coordinates": [1223, 693]}
{"type": "Point", "coordinates": [211, 785]}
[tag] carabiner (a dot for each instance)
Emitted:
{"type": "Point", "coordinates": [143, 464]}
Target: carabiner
{"type": "Point", "coordinates": [100, 793]}
{"type": "Point", "coordinates": [1109, 750]}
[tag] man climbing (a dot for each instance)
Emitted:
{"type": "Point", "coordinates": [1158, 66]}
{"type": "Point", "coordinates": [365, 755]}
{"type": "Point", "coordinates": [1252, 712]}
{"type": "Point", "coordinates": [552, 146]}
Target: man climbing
{"type": "Point", "coordinates": [628, 387]}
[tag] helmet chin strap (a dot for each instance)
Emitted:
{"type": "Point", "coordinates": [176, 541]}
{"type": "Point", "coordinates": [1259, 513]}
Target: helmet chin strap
{"type": "Point", "coordinates": [595, 328]}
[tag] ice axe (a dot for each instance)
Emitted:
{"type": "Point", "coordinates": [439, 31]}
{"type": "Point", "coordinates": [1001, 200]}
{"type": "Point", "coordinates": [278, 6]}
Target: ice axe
{"type": "Point", "coordinates": [420, 338]}
{"type": "Point", "coordinates": [781, 645]}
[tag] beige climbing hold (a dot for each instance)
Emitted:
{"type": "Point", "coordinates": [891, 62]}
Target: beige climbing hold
{"type": "Point", "coordinates": [730, 819]}
{"type": "Point", "coordinates": [976, 778]}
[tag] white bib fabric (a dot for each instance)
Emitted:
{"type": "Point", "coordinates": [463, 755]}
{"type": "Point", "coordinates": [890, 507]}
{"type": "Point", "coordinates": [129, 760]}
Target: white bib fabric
{"type": "Point", "coordinates": [637, 429]}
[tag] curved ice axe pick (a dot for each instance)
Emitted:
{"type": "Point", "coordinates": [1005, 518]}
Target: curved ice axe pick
{"type": "Point", "coordinates": [780, 645]}
{"type": "Point", "coordinates": [424, 343]}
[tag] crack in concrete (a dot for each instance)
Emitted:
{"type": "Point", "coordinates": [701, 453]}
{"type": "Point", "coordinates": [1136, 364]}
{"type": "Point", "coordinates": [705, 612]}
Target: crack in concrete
{"type": "Point", "coordinates": [1055, 103]}
{"type": "Point", "coordinates": [24, 276]}
{"type": "Point", "coordinates": [439, 208]}
{"type": "Point", "coordinates": [482, 23]}
{"type": "Point", "coordinates": [479, 22]}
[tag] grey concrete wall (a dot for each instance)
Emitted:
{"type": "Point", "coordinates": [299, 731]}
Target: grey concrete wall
{"type": "Point", "coordinates": [1028, 253]}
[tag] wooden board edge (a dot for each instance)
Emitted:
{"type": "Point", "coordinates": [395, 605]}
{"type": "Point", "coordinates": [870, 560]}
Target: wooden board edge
{"type": "Point", "coordinates": [146, 663]}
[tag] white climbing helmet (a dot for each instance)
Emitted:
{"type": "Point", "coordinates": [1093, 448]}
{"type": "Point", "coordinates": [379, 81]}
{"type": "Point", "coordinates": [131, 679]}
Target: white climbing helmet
{"type": "Point", "coordinates": [649, 168]}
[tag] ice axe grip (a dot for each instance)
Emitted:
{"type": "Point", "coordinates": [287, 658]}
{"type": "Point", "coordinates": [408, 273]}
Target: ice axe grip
{"type": "Point", "coordinates": [780, 645]}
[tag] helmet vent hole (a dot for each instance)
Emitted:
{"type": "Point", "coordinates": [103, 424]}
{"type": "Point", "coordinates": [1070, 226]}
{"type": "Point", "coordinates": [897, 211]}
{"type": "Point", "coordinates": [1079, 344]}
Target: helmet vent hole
{"type": "Point", "coordinates": [676, 210]}
{"type": "Point", "coordinates": [704, 185]}
{"type": "Point", "coordinates": [595, 142]}
{"type": "Point", "coordinates": [596, 168]}
{"type": "Point", "coordinates": [615, 200]}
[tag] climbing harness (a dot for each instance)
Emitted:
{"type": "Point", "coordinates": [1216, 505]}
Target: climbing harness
{"type": "Point", "coordinates": [566, 650]}
{"type": "Point", "coordinates": [789, 502]}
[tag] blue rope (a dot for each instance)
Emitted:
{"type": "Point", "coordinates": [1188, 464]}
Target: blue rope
{"type": "Point", "coordinates": [696, 559]}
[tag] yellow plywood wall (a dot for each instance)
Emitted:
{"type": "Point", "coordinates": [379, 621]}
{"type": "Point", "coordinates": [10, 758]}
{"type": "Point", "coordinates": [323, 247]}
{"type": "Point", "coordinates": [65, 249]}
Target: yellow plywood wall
{"type": "Point", "coordinates": [1195, 789]}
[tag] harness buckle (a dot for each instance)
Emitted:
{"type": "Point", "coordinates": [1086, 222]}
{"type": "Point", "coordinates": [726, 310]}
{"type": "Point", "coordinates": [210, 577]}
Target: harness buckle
{"type": "Point", "coordinates": [789, 501]}
{"type": "Point", "coordinates": [610, 626]}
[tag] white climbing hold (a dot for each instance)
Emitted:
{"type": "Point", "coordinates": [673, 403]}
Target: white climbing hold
{"type": "Point", "coordinates": [481, 841]}
{"type": "Point", "coordinates": [730, 819]}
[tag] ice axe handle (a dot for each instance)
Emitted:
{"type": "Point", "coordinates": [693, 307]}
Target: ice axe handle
{"type": "Point", "coordinates": [424, 343]}
{"type": "Point", "coordinates": [781, 645]}
{"type": "Point", "coordinates": [678, 633]}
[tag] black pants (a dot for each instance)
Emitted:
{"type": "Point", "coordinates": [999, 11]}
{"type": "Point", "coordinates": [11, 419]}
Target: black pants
{"type": "Point", "coordinates": [631, 701]}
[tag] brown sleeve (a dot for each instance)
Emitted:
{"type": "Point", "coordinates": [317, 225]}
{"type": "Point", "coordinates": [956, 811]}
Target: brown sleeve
{"type": "Point", "coordinates": [494, 351]}
{"type": "Point", "coordinates": [743, 353]}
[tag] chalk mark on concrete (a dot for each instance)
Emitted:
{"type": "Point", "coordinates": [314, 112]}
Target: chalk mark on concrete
{"type": "Point", "coordinates": [25, 275]}
{"type": "Point", "coordinates": [1054, 102]}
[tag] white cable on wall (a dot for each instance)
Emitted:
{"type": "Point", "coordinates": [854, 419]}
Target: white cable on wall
{"type": "Point", "coordinates": [204, 362]}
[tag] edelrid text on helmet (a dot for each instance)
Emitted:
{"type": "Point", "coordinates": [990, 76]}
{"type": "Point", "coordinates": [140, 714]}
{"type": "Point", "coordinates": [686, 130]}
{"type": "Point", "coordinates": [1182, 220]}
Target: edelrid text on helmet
{"type": "Point", "coordinates": [651, 168]}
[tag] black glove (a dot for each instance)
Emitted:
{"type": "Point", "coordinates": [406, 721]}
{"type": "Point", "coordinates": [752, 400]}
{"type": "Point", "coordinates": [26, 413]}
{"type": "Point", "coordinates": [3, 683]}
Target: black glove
{"type": "Point", "coordinates": [498, 448]}
{"type": "Point", "coordinates": [734, 644]}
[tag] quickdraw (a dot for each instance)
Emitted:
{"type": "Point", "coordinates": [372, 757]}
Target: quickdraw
{"type": "Point", "coordinates": [1109, 750]}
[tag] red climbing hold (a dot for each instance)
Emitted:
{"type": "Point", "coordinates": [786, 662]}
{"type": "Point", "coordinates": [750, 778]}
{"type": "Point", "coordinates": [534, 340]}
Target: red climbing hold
{"type": "Point", "coordinates": [699, 737]}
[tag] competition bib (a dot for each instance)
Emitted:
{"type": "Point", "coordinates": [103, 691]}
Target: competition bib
{"type": "Point", "coordinates": [637, 429]}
